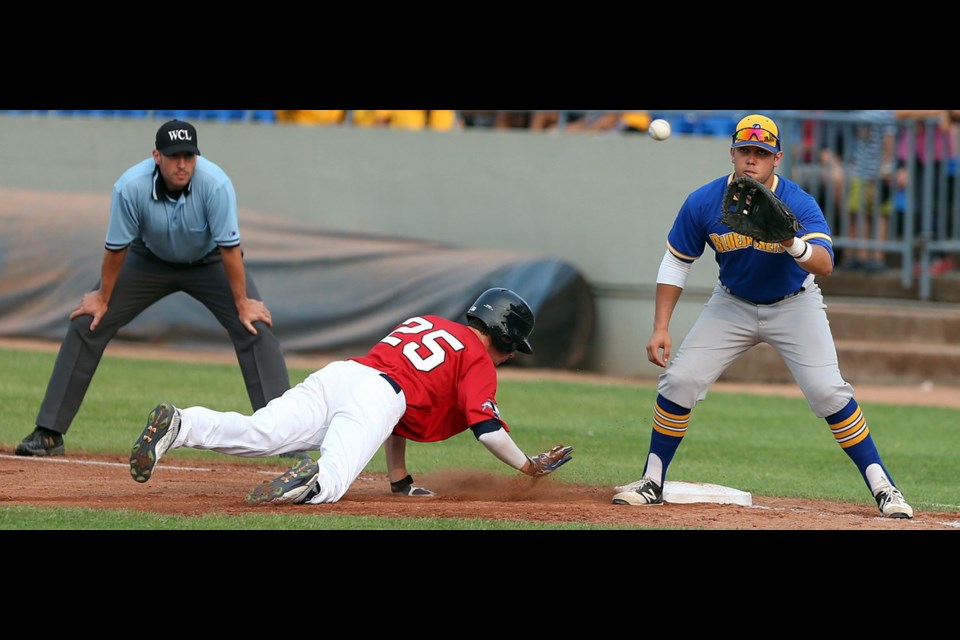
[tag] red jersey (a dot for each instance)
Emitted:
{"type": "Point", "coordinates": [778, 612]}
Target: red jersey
{"type": "Point", "coordinates": [447, 377]}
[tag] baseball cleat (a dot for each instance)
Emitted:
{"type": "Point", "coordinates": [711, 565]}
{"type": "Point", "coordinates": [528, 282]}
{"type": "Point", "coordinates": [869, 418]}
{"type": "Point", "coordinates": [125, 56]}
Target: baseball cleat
{"type": "Point", "coordinates": [892, 505]}
{"type": "Point", "coordinates": [646, 492]}
{"type": "Point", "coordinates": [297, 485]}
{"type": "Point", "coordinates": [163, 425]}
{"type": "Point", "coordinates": [41, 442]}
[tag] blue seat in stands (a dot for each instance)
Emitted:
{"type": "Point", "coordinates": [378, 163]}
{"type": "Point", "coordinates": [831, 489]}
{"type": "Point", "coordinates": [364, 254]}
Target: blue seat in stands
{"type": "Point", "coordinates": [717, 125]}
{"type": "Point", "coordinates": [182, 114]}
{"type": "Point", "coordinates": [265, 115]}
{"type": "Point", "coordinates": [687, 123]}
{"type": "Point", "coordinates": [97, 113]}
{"type": "Point", "coordinates": [224, 115]}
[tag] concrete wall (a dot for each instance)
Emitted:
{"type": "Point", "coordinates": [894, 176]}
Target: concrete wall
{"type": "Point", "coordinates": [602, 202]}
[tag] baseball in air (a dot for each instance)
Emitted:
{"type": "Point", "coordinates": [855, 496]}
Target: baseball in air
{"type": "Point", "coordinates": [659, 129]}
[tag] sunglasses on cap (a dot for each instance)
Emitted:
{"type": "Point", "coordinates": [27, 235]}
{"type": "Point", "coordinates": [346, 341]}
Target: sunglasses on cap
{"type": "Point", "coordinates": [756, 134]}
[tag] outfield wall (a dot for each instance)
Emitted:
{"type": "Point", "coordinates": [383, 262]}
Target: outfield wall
{"type": "Point", "coordinates": [603, 202]}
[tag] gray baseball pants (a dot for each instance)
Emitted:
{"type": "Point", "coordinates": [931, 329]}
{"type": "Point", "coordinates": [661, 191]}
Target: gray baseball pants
{"type": "Point", "coordinates": [143, 280]}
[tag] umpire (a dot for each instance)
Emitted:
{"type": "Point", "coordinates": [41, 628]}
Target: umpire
{"type": "Point", "coordinates": [173, 227]}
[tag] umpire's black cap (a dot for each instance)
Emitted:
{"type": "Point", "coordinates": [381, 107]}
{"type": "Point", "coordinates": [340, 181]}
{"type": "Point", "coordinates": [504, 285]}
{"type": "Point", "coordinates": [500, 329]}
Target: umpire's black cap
{"type": "Point", "coordinates": [175, 136]}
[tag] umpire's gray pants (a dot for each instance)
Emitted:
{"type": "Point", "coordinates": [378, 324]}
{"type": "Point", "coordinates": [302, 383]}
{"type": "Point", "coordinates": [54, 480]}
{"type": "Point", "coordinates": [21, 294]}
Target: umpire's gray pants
{"type": "Point", "coordinates": [144, 280]}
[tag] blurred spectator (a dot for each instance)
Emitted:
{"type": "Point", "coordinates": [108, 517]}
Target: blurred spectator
{"type": "Point", "coordinates": [819, 170]}
{"type": "Point", "coordinates": [512, 119]}
{"type": "Point", "coordinates": [435, 119]}
{"type": "Point", "coordinates": [544, 120]}
{"type": "Point", "coordinates": [586, 121]}
{"type": "Point", "coordinates": [311, 117]}
{"type": "Point", "coordinates": [370, 118]}
{"type": "Point", "coordinates": [869, 198]}
{"type": "Point", "coordinates": [478, 119]}
{"type": "Point", "coordinates": [550, 120]}
{"type": "Point", "coordinates": [444, 120]}
{"type": "Point", "coordinates": [944, 148]}
{"type": "Point", "coordinates": [635, 121]}
{"type": "Point", "coordinates": [631, 121]}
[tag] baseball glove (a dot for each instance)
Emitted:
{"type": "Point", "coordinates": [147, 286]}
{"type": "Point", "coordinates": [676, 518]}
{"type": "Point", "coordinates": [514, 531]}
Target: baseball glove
{"type": "Point", "coordinates": [548, 461]}
{"type": "Point", "coordinates": [751, 209]}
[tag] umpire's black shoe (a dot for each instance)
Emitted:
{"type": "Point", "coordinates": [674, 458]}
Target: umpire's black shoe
{"type": "Point", "coordinates": [42, 442]}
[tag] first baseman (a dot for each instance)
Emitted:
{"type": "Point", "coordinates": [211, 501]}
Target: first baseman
{"type": "Point", "coordinates": [173, 227]}
{"type": "Point", "coordinates": [766, 292]}
{"type": "Point", "coordinates": [427, 380]}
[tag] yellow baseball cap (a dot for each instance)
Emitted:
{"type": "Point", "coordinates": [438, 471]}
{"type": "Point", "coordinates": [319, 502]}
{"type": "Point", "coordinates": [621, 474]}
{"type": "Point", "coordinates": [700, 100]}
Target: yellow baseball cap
{"type": "Point", "coordinates": [757, 131]}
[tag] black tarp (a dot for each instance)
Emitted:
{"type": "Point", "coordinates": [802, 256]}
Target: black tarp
{"type": "Point", "coordinates": [328, 292]}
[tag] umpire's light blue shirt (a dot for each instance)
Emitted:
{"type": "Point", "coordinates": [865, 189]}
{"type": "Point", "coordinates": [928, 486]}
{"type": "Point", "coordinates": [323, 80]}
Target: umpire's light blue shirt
{"type": "Point", "coordinates": [182, 230]}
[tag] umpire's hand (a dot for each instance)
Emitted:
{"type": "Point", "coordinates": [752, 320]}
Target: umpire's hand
{"type": "Point", "coordinates": [91, 304]}
{"type": "Point", "coordinates": [251, 310]}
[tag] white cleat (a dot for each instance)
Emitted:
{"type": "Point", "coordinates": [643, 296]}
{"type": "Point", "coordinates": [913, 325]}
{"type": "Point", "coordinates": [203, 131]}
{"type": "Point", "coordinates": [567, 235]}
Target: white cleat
{"type": "Point", "coordinates": [892, 505]}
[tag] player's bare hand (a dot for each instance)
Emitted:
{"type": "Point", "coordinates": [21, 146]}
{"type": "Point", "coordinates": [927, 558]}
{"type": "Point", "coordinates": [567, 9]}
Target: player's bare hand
{"type": "Point", "coordinates": [251, 311]}
{"type": "Point", "coordinates": [91, 304]}
{"type": "Point", "coordinates": [658, 349]}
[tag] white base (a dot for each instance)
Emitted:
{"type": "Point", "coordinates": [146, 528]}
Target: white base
{"type": "Point", "coordinates": [689, 492]}
{"type": "Point", "coordinates": [692, 492]}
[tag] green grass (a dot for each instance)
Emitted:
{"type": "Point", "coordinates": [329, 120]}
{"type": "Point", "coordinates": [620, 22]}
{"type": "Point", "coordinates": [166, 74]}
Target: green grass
{"type": "Point", "coordinates": [765, 445]}
{"type": "Point", "coordinates": [32, 518]}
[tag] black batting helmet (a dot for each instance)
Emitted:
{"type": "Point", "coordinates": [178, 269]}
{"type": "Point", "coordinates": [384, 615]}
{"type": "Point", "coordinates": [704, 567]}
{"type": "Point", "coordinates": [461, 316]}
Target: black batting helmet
{"type": "Point", "coordinates": [508, 316]}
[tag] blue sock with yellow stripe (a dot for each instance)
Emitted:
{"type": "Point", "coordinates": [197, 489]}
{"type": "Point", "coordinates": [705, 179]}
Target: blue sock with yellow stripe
{"type": "Point", "coordinates": [670, 422]}
{"type": "Point", "coordinates": [850, 430]}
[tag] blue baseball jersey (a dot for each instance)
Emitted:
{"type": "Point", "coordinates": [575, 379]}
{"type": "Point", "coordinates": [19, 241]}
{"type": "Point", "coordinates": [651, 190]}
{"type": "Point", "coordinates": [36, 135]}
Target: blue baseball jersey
{"type": "Point", "coordinates": [182, 230]}
{"type": "Point", "coordinates": [754, 270]}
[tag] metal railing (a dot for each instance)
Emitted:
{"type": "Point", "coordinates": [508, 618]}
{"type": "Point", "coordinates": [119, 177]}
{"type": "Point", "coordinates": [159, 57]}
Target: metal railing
{"type": "Point", "coordinates": [922, 217]}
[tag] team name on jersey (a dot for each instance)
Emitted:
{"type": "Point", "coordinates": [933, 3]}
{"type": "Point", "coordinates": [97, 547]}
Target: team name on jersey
{"type": "Point", "coordinates": [735, 241]}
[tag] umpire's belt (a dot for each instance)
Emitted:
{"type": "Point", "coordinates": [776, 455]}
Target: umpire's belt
{"type": "Point", "coordinates": [765, 302]}
{"type": "Point", "coordinates": [138, 247]}
{"type": "Point", "coordinates": [393, 383]}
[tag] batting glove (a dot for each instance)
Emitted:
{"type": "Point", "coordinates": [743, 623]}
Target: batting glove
{"type": "Point", "coordinates": [405, 487]}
